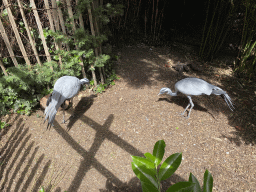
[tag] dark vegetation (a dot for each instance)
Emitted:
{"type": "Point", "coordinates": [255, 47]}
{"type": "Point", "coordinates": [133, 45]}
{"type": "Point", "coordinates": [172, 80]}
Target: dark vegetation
{"type": "Point", "coordinates": [222, 26]}
{"type": "Point", "coordinates": [219, 28]}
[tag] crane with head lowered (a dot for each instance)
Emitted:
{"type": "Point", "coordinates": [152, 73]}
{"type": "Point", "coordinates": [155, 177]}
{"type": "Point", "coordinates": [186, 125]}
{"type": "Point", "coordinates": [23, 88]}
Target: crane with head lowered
{"type": "Point", "coordinates": [196, 86]}
{"type": "Point", "coordinates": [65, 88]}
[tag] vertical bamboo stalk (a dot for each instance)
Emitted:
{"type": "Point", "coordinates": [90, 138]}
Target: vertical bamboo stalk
{"type": "Point", "coordinates": [157, 1]}
{"type": "Point", "coordinates": [96, 49]}
{"type": "Point", "coordinates": [57, 45]}
{"type": "Point", "coordinates": [71, 15]}
{"type": "Point", "coordinates": [49, 14]}
{"type": "Point", "coordinates": [48, 56]}
{"type": "Point", "coordinates": [32, 42]}
{"type": "Point", "coordinates": [204, 31]}
{"type": "Point", "coordinates": [16, 32]}
{"type": "Point", "coordinates": [153, 10]}
{"type": "Point", "coordinates": [81, 21]}
{"type": "Point", "coordinates": [93, 33]}
{"type": "Point", "coordinates": [128, 5]}
{"type": "Point", "coordinates": [145, 27]}
{"type": "Point", "coordinates": [55, 15]}
{"type": "Point", "coordinates": [3, 68]}
{"type": "Point", "coordinates": [138, 8]}
{"type": "Point", "coordinates": [62, 23]}
{"type": "Point", "coordinates": [74, 29]}
{"type": "Point", "coordinates": [7, 43]}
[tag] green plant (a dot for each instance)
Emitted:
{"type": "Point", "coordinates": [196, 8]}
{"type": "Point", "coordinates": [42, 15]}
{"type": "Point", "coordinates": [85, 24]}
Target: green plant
{"type": "Point", "coordinates": [146, 169]}
{"type": "Point", "coordinates": [216, 27]}
{"type": "Point", "coordinates": [246, 62]}
{"type": "Point", "coordinates": [25, 86]}
{"type": "Point", "coordinates": [109, 81]}
{"type": "Point", "coordinates": [3, 124]}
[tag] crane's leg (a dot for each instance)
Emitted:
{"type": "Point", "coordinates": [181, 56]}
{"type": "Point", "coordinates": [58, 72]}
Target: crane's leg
{"type": "Point", "coordinates": [192, 105]}
{"type": "Point", "coordinates": [185, 109]}
{"type": "Point", "coordinates": [63, 116]}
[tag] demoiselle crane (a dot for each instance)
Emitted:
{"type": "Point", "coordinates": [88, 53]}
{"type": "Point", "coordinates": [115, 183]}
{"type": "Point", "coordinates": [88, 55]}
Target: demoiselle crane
{"type": "Point", "coordinates": [65, 88]}
{"type": "Point", "coordinates": [196, 86]}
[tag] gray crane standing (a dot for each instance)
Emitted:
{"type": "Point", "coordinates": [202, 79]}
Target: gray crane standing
{"type": "Point", "coordinates": [65, 88]}
{"type": "Point", "coordinates": [196, 86]}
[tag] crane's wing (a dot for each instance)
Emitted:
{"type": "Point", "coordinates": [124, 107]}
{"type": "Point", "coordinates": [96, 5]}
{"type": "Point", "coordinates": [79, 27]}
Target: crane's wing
{"type": "Point", "coordinates": [194, 86]}
{"type": "Point", "coordinates": [67, 86]}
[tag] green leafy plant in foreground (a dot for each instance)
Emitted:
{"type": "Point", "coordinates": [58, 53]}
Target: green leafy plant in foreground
{"type": "Point", "coordinates": [146, 169]}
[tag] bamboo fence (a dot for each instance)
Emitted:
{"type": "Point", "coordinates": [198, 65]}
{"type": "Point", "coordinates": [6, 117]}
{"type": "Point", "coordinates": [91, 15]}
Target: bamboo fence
{"type": "Point", "coordinates": [55, 21]}
{"type": "Point", "coordinates": [47, 13]}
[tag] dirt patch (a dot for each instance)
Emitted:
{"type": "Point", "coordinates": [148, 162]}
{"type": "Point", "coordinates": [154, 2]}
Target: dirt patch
{"type": "Point", "coordinates": [91, 152]}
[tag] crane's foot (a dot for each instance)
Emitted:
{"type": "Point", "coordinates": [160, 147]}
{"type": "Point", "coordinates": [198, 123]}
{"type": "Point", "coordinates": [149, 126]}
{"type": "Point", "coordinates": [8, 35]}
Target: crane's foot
{"type": "Point", "coordinates": [72, 116]}
{"type": "Point", "coordinates": [182, 114]}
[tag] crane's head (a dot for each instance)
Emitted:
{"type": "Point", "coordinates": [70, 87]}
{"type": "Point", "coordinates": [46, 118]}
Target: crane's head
{"type": "Point", "coordinates": [164, 90]}
{"type": "Point", "coordinates": [85, 81]}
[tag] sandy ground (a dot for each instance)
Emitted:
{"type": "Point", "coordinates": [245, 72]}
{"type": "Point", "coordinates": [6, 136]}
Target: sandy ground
{"type": "Point", "coordinates": [92, 152]}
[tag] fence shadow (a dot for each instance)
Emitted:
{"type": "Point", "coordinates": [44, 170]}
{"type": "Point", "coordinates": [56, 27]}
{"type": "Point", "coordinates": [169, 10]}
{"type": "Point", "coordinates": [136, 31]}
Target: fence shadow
{"type": "Point", "coordinates": [17, 171]}
{"type": "Point", "coordinates": [88, 157]}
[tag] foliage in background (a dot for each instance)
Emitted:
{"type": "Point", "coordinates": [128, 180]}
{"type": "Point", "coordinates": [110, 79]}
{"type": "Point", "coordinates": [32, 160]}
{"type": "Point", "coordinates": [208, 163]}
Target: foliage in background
{"type": "Point", "coordinates": [24, 86]}
{"type": "Point", "coordinates": [146, 169]}
{"type": "Point", "coordinates": [246, 62]}
{"type": "Point", "coordinates": [216, 27]}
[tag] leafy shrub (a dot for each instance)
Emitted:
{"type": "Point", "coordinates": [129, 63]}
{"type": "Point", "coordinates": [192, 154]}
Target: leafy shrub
{"type": "Point", "coordinates": [146, 169]}
{"type": "Point", "coordinates": [24, 87]}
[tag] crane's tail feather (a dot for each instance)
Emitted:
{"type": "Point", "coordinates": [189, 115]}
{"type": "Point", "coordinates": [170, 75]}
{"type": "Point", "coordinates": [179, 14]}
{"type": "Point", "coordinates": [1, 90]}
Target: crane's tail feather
{"type": "Point", "coordinates": [50, 111]}
{"type": "Point", "coordinates": [229, 101]}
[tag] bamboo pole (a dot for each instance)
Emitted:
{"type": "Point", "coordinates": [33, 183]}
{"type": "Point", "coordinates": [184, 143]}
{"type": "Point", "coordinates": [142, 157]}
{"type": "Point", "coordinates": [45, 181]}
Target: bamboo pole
{"type": "Point", "coordinates": [49, 14]}
{"type": "Point", "coordinates": [93, 33]}
{"type": "Point", "coordinates": [156, 19]}
{"type": "Point", "coordinates": [7, 43]}
{"type": "Point", "coordinates": [74, 29]}
{"type": "Point", "coordinates": [32, 42]}
{"type": "Point", "coordinates": [71, 15]}
{"type": "Point", "coordinates": [81, 21]}
{"type": "Point", "coordinates": [57, 45]}
{"type": "Point", "coordinates": [55, 15]}
{"type": "Point", "coordinates": [16, 32]}
{"type": "Point", "coordinates": [3, 68]}
{"type": "Point", "coordinates": [62, 23]}
{"type": "Point", "coordinates": [128, 5]}
{"type": "Point", "coordinates": [138, 8]}
{"type": "Point", "coordinates": [96, 49]}
{"type": "Point", "coordinates": [48, 56]}
{"type": "Point", "coordinates": [153, 10]}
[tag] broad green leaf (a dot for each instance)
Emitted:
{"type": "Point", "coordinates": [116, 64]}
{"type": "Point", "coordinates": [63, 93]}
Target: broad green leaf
{"type": "Point", "coordinates": [145, 165]}
{"type": "Point", "coordinates": [169, 166]}
{"type": "Point", "coordinates": [150, 157]}
{"type": "Point", "coordinates": [158, 151]}
{"type": "Point", "coordinates": [193, 179]}
{"type": "Point", "coordinates": [181, 187]}
{"type": "Point", "coordinates": [145, 177]}
{"type": "Point", "coordinates": [208, 181]}
{"type": "Point", "coordinates": [146, 187]}
{"type": "Point", "coordinates": [42, 189]}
